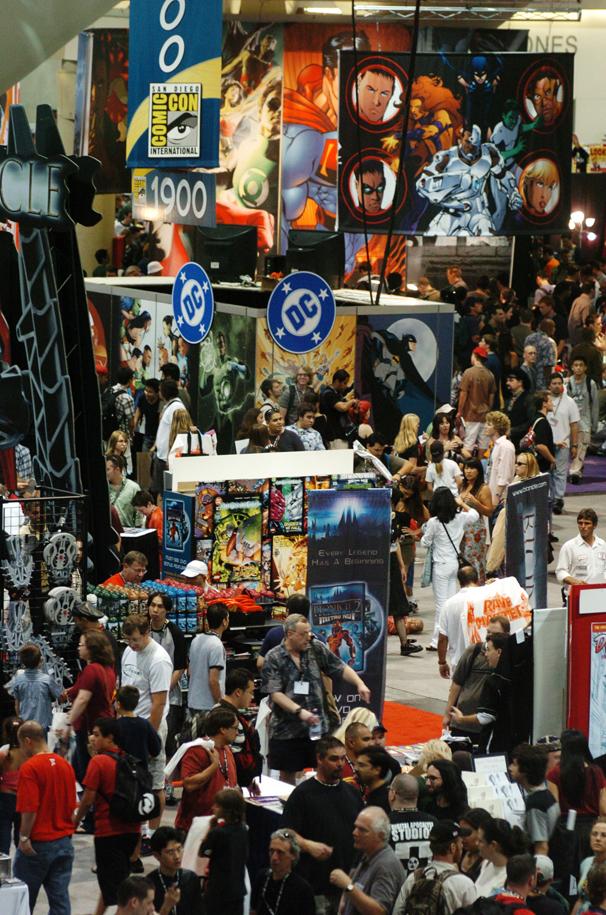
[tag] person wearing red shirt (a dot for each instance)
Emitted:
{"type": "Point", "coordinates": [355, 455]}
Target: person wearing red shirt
{"type": "Point", "coordinates": [46, 797]}
{"type": "Point", "coordinates": [144, 504]}
{"type": "Point", "coordinates": [205, 772]}
{"type": "Point", "coordinates": [521, 881]}
{"type": "Point", "coordinates": [134, 567]}
{"type": "Point", "coordinates": [115, 840]}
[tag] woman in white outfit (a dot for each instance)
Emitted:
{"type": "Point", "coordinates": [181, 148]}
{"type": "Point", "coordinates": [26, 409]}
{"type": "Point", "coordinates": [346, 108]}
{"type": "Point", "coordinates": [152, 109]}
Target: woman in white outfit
{"type": "Point", "coordinates": [443, 533]}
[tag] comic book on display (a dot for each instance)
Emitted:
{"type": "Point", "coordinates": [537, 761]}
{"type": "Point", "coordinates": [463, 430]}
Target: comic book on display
{"type": "Point", "coordinates": [178, 534]}
{"type": "Point", "coordinates": [337, 617]}
{"type": "Point", "coordinates": [488, 143]}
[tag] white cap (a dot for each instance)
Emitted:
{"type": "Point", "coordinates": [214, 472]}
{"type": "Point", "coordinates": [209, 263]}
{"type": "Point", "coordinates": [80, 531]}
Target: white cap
{"type": "Point", "coordinates": [195, 567]}
{"type": "Point", "coordinates": [154, 267]}
{"type": "Point", "coordinates": [544, 867]}
{"type": "Point", "coordinates": [445, 408]}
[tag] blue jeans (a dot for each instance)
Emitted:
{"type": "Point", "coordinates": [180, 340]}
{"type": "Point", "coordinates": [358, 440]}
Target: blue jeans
{"type": "Point", "coordinates": [9, 821]}
{"type": "Point", "coordinates": [50, 867]}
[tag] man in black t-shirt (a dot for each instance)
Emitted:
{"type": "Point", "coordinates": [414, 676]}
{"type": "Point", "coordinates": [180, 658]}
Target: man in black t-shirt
{"type": "Point", "coordinates": [335, 402]}
{"type": "Point", "coordinates": [528, 767]}
{"type": "Point", "coordinates": [322, 812]}
{"type": "Point", "coordinates": [543, 433]}
{"type": "Point", "coordinates": [277, 889]}
{"type": "Point", "coordinates": [148, 408]}
{"type": "Point", "coordinates": [410, 828]}
{"type": "Point", "coordinates": [172, 882]}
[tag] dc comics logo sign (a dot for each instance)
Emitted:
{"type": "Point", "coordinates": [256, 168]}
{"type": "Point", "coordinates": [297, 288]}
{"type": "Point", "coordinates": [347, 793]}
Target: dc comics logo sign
{"type": "Point", "coordinates": [193, 302]}
{"type": "Point", "coordinates": [301, 312]}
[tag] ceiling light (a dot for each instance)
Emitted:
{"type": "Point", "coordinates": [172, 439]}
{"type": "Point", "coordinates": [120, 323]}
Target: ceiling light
{"type": "Point", "coordinates": [590, 221]}
{"type": "Point", "coordinates": [577, 217]}
{"type": "Point", "coordinates": [591, 236]}
{"type": "Point", "coordinates": [572, 224]}
{"type": "Point", "coordinates": [323, 10]}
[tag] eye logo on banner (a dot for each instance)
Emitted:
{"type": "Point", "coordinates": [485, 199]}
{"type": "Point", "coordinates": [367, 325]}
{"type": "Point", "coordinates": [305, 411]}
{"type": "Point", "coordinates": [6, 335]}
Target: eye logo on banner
{"type": "Point", "coordinates": [193, 303]}
{"type": "Point", "coordinates": [301, 312]}
{"type": "Point", "coordinates": [174, 120]}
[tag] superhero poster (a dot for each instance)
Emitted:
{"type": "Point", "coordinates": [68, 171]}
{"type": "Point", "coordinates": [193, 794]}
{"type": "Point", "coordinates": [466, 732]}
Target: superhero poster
{"type": "Point", "coordinates": [225, 380]}
{"type": "Point", "coordinates": [250, 129]}
{"type": "Point", "coordinates": [337, 352]}
{"type": "Point", "coordinates": [286, 505]}
{"type": "Point", "coordinates": [206, 494]}
{"type": "Point", "coordinates": [102, 106]}
{"type": "Point", "coordinates": [488, 142]}
{"type": "Point", "coordinates": [311, 131]}
{"type": "Point", "coordinates": [236, 554]}
{"type": "Point", "coordinates": [178, 533]}
{"type": "Point", "coordinates": [348, 534]}
{"type": "Point", "coordinates": [398, 364]}
{"type": "Point", "coordinates": [288, 565]}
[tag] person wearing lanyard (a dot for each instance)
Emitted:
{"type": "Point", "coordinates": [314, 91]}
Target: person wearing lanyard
{"type": "Point", "coordinates": [582, 560]}
{"type": "Point", "coordinates": [564, 420]}
{"type": "Point", "coordinates": [177, 891]}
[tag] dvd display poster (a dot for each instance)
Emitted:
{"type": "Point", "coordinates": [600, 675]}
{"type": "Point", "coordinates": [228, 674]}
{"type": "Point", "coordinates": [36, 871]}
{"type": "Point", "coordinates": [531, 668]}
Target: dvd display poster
{"type": "Point", "coordinates": [348, 535]}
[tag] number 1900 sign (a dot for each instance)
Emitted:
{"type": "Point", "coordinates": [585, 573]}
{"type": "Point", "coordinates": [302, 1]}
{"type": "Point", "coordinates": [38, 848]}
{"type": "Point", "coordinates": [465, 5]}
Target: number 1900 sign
{"type": "Point", "coordinates": [188, 199]}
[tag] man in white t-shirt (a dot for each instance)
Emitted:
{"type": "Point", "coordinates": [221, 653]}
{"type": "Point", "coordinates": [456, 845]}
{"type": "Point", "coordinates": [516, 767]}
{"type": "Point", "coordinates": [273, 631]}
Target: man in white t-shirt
{"type": "Point", "coordinates": [582, 560]}
{"type": "Point", "coordinates": [564, 420]}
{"type": "Point", "coordinates": [146, 665]}
{"type": "Point", "coordinates": [207, 662]}
{"type": "Point", "coordinates": [452, 628]}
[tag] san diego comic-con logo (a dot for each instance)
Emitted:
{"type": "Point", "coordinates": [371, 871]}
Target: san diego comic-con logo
{"type": "Point", "coordinates": [301, 312]}
{"type": "Point", "coordinates": [193, 302]}
{"type": "Point", "coordinates": [174, 120]}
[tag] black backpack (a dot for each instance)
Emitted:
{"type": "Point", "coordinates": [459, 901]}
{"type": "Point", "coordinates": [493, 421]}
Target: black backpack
{"type": "Point", "coordinates": [426, 895]}
{"type": "Point", "coordinates": [109, 417]}
{"type": "Point", "coordinates": [133, 799]}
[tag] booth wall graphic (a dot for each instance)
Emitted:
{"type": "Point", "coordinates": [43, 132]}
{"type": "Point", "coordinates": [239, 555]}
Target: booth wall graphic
{"type": "Point", "coordinates": [348, 581]}
{"type": "Point", "coordinates": [178, 534]}
{"type": "Point", "coordinates": [102, 105]}
{"type": "Point", "coordinates": [404, 365]}
{"type": "Point", "coordinates": [526, 537]}
{"type": "Point", "coordinates": [509, 175]}
{"type": "Point", "coordinates": [250, 128]}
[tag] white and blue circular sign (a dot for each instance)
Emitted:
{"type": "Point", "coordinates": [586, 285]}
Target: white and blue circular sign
{"type": "Point", "coordinates": [301, 312]}
{"type": "Point", "coordinates": [193, 302]}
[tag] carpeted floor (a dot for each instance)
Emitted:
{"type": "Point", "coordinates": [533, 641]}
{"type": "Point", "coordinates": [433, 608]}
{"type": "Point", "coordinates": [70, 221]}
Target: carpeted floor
{"type": "Point", "coordinates": [594, 477]}
{"type": "Point", "coordinates": [409, 725]}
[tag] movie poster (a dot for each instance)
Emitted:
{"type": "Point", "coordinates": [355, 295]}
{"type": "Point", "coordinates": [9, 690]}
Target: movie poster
{"type": "Point", "coordinates": [348, 536]}
{"type": "Point", "coordinates": [398, 365]}
{"type": "Point", "coordinates": [310, 131]}
{"type": "Point", "coordinates": [597, 697]}
{"type": "Point", "coordinates": [289, 565]}
{"type": "Point", "coordinates": [178, 536]}
{"type": "Point", "coordinates": [286, 504]}
{"type": "Point", "coordinates": [102, 106]}
{"type": "Point", "coordinates": [488, 144]}
{"type": "Point", "coordinates": [250, 128]}
{"type": "Point", "coordinates": [236, 554]}
{"type": "Point", "coordinates": [526, 536]}
{"type": "Point", "coordinates": [337, 352]}
{"type": "Point", "coordinates": [226, 380]}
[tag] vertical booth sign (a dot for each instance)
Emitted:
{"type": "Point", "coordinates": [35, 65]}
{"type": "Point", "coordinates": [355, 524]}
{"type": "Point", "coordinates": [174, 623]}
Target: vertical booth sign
{"type": "Point", "coordinates": [348, 583]}
{"type": "Point", "coordinates": [527, 530]}
{"type": "Point", "coordinates": [178, 532]}
{"type": "Point", "coordinates": [174, 83]}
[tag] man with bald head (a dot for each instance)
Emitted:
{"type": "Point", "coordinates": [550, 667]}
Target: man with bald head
{"type": "Point", "coordinates": [410, 828]}
{"type": "Point", "coordinates": [46, 799]}
{"type": "Point", "coordinates": [377, 877]}
{"type": "Point", "coordinates": [357, 737]}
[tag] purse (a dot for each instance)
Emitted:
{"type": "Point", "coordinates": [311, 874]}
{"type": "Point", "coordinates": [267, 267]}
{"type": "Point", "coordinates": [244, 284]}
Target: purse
{"type": "Point", "coordinates": [460, 558]}
{"type": "Point", "coordinates": [528, 441]}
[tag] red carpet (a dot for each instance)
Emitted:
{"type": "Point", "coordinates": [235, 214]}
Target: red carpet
{"type": "Point", "coordinates": [409, 725]}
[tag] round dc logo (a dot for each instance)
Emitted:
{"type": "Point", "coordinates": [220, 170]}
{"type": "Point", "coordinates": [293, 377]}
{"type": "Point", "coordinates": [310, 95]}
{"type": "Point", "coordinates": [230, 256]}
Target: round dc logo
{"type": "Point", "coordinates": [193, 302]}
{"type": "Point", "coordinates": [301, 312]}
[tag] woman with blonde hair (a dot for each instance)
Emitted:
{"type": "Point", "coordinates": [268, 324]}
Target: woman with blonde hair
{"type": "Point", "coordinates": [406, 443]}
{"type": "Point", "coordinates": [182, 425]}
{"type": "Point", "coordinates": [359, 715]}
{"type": "Point", "coordinates": [539, 183]}
{"type": "Point", "coordinates": [119, 444]}
{"type": "Point", "coordinates": [433, 749]}
{"type": "Point", "coordinates": [526, 468]}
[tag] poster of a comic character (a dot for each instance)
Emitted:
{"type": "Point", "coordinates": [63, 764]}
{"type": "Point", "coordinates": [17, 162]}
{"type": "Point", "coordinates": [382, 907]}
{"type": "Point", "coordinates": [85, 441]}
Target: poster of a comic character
{"type": "Point", "coordinates": [488, 141]}
{"type": "Point", "coordinates": [250, 128]}
{"type": "Point", "coordinates": [236, 552]}
{"type": "Point", "coordinates": [310, 131]}
{"type": "Point", "coordinates": [226, 377]}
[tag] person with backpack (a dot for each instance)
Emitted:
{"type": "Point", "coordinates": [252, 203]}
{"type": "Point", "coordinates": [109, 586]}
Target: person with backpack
{"type": "Point", "coordinates": [292, 396]}
{"type": "Point", "coordinates": [584, 392]}
{"type": "Point", "coordinates": [239, 695]}
{"type": "Point", "coordinates": [118, 406]}
{"type": "Point", "coordinates": [115, 837]}
{"type": "Point", "coordinates": [439, 888]}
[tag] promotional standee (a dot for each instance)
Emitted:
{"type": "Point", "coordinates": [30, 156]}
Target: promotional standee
{"type": "Point", "coordinates": [527, 536]}
{"type": "Point", "coordinates": [587, 663]}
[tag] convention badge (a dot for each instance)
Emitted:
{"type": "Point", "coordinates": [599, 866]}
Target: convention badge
{"type": "Point", "coordinates": [59, 605]}
{"type": "Point", "coordinates": [301, 312]}
{"type": "Point", "coordinates": [193, 302]}
{"type": "Point", "coordinates": [301, 688]}
{"type": "Point", "coordinates": [60, 556]}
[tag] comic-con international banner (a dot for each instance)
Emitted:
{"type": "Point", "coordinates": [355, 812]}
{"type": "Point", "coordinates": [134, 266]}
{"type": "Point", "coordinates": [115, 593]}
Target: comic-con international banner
{"type": "Point", "coordinates": [526, 536]}
{"type": "Point", "coordinates": [174, 83]}
{"type": "Point", "coordinates": [488, 143]}
{"type": "Point", "coordinates": [348, 582]}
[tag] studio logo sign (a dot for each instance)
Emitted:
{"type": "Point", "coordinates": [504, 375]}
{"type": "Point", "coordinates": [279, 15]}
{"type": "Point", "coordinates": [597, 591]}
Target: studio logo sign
{"type": "Point", "coordinates": [193, 302]}
{"type": "Point", "coordinates": [174, 120]}
{"type": "Point", "coordinates": [301, 312]}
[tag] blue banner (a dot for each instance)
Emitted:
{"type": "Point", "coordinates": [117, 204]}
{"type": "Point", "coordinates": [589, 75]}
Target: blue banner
{"type": "Point", "coordinates": [178, 540]}
{"type": "Point", "coordinates": [174, 83]}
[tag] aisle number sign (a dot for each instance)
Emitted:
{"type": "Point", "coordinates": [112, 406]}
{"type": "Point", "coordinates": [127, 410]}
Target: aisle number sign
{"type": "Point", "coordinates": [187, 198]}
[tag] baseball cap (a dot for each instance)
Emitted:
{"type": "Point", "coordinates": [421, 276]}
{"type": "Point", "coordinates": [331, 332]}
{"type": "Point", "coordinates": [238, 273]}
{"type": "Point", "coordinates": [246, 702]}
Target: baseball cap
{"type": "Point", "coordinates": [154, 267]}
{"type": "Point", "coordinates": [447, 831]}
{"type": "Point", "coordinates": [481, 351]}
{"type": "Point", "coordinates": [445, 408]}
{"type": "Point", "coordinates": [87, 611]}
{"type": "Point", "coordinates": [544, 868]}
{"type": "Point", "coordinates": [195, 567]}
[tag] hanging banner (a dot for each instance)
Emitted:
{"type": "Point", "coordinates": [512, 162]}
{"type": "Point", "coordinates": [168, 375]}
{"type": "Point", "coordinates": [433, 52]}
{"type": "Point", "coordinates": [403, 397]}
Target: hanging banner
{"type": "Point", "coordinates": [526, 536]}
{"type": "Point", "coordinates": [174, 83]}
{"type": "Point", "coordinates": [181, 197]}
{"type": "Point", "coordinates": [348, 583]}
{"type": "Point", "coordinates": [178, 539]}
{"type": "Point", "coordinates": [488, 143]}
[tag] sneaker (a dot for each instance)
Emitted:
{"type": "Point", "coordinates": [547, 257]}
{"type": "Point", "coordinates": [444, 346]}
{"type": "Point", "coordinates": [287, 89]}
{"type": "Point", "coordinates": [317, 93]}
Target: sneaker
{"type": "Point", "coordinates": [432, 648]}
{"type": "Point", "coordinates": [558, 509]}
{"type": "Point", "coordinates": [171, 800]}
{"type": "Point", "coordinates": [574, 478]}
{"type": "Point", "coordinates": [146, 850]}
{"type": "Point", "coordinates": [409, 648]}
{"type": "Point", "coordinates": [136, 867]}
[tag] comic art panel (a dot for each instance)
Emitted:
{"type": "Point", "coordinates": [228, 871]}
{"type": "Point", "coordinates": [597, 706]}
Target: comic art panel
{"type": "Point", "coordinates": [488, 141]}
{"type": "Point", "coordinates": [250, 128]}
{"type": "Point", "coordinates": [169, 346]}
{"type": "Point", "coordinates": [236, 554]}
{"type": "Point", "coordinates": [286, 505]}
{"type": "Point", "coordinates": [226, 380]}
{"type": "Point", "coordinates": [207, 494]}
{"type": "Point", "coordinates": [310, 129]}
{"type": "Point", "coordinates": [289, 565]}
{"type": "Point", "coordinates": [137, 334]}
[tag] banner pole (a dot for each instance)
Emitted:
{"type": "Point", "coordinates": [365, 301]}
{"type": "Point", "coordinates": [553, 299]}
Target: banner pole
{"type": "Point", "coordinates": [513, 254]}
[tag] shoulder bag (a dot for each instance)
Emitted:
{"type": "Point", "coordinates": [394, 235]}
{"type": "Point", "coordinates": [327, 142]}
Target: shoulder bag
{"type": "Point", "coordinates": [460, 558]}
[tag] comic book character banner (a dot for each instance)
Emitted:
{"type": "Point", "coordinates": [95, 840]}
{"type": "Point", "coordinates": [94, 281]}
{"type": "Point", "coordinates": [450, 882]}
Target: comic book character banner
{"type": "Point", "coordinates": [526, 539]}
{"type": "Point", "coordinates": [487, 151]}
{"type": "Point", "coordinates": [174, 83]}
{"type": "Point", "coordinates": [178, 534]}
{"type": "Point", "coordinates": [397, 369]}
{"type": "Point", "coordinates": [348, 581]}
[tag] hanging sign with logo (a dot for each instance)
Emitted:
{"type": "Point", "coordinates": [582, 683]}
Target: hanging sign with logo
{"type": "Point", "coordinates": [193, 302]}
{"type": "Point", "coordinates": [187, 198]}
{"type": "Point", "coordinates": [301, 312]}
{"type": "Point", "coordinates": [174, 83]}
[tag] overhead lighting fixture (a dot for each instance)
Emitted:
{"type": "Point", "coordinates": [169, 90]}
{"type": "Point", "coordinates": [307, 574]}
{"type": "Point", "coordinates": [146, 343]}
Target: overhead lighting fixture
{"type": "Point", "coordinates": [591, 236]}
{"type": "Point", "coordinates": [539, 10]}
{"type": "Point", "coordinates": [590, 221]}
{"type": "Point", "coordinates": [323, 10]}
